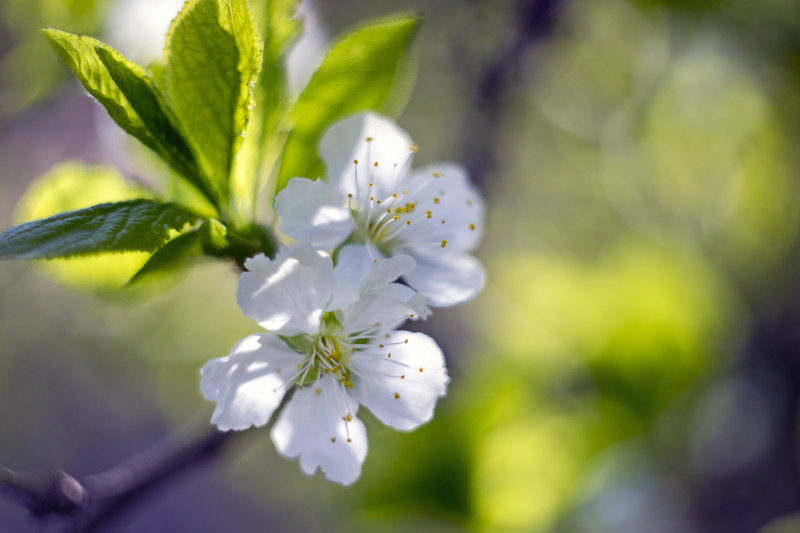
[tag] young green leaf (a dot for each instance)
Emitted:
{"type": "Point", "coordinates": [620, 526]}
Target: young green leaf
{"type": "Point", "coordinates": [134, 225]}
{"type": "Point", "coordinates": [131, 99]}
{"type": "Point", "coordinates": [211, 61]}
{"type": "Point", "coordinates": [360, 72]}
{"type": "Point", "coordinates": [269, 126]}
{"type": "Point", "coordinates": [170, 257]}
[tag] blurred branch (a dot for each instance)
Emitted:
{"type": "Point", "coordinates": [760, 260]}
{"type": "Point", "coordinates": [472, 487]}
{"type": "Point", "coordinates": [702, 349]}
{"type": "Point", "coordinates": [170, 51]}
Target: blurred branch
{"type": "Point", "coordinates": [535, 20]}
{"type": "Point", "coordinates": [92, 502]}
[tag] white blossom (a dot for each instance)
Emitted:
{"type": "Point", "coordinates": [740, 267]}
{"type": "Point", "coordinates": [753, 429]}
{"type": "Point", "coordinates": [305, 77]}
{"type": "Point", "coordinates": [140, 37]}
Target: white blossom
{"type": "Point", "coordinates": [332, 333]}
{"type": "Point", "coordinates": [371, 197]}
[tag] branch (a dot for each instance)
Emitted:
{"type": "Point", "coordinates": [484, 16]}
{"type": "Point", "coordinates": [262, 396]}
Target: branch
{"type": "Point", "coordinates": [535, 22]}
{"type": "Point", "coordinates": [92, 502]}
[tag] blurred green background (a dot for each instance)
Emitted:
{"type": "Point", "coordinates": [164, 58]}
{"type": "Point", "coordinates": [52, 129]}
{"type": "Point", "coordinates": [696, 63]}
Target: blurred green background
{"type": "Point", "coordinates": [633, 364]}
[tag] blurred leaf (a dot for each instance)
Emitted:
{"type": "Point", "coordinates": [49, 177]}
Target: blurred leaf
{"type": "Point", "coordinates": [212, 58]}
{"type": "Point", "coordinates": [170, 257]}
{"type": "Point", "coordinates": [361, 71]}
{"type": "Point", "coordinates": [134, 225]}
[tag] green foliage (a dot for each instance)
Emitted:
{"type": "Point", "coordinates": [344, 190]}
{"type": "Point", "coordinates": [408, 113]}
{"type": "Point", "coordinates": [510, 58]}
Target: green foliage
{"type": "Point", "coordinates": [362, 71]}
{"type": "Point", "coordinates": [171, 257]}
{"type": "Point", "coordinates": [134, 225]}
{"type": "Point", "coordinates": [130, 97]}
{"type": "Point", "coordinates": [212, 59]}
{"type": "Point", "coordinates": [269, 128]}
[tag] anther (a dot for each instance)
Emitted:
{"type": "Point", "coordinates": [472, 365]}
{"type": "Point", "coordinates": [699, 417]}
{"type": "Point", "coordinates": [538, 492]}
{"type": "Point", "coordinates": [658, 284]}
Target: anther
{"type": "Point", "coordinates": [403, 376]}
{"type": "Point", "coordinates": [348, 417]}
{"type": "Point", "coordinates": [444, 242]}
{"type": "Point", "coordinates": [317, 391]}
{"type": "Point", "coordinates": [376, 164]}
{"type": "Point", "coordinates": [396, 396]}
{"type": "Point", "coordinates": [411, 315]}
{"type": "Point", "coordinates": [428, 214]}
{"type": "Point", "coordinates": [469, 202]}
{"type": "Point", "coordinates": [388, 355]}
{"type": "Point", "coordinates": [349, 195]}
{"type": "Point", "coordinates": [355, 161]}
{"type": "Point", "coordinates": [349, 439]}
{"type": "Point", "coordinates": [472, 227]}
{"type": "Point", "coordinates": [333, 439]}
{"type": "Point", "coordinates": [369, 139]}
{"type": "Point", "coordinates": [437, 175]}
{"type": "Point", "coordinates": [420, 369]}
{"type": "Point", "coordinates": [436, 200]}
{"type": "Point", "coordinates": [380, 346]}
{"type": "Point", "coordinates": [413, 148]}
{"type": "Point", "coordinates": [406, 341]}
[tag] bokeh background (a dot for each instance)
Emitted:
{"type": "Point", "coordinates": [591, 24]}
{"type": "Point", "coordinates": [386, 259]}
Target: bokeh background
{"type": "Point", "coordinates": [633, 364]}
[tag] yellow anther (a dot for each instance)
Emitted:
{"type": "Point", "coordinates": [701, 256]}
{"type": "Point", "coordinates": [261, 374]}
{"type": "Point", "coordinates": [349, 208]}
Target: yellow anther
{"type": "Point", "coordinates": [469, 202]}
{"type": "Point", "coordinates": [442, 221]}
{"type": "Point", "coordinates": [378, 202]}
{"type": "Point", "coordinates": [348, 384]}
{"type": "Point", "coordinates": [413, 148]}
{"type": "Point", "coordinates": [394, 195]}
{"type": "Point", "coordinates": [408, 222]}
{"type": "Point", "coordinates": [437, 175]}
{"type": "Point", "coordinates": [376, 164]}
{"type": "Point", "coordinates": [428, 214]}
{"type": "Point", "coordinates": [348, 417]}
{"type": "Point", "coordinates": [349, 439]}
{"type": "Point", "coordinates": [472, 227]}
{"type": "Point", "coordinates": [386, 335]}
{"type": "Point", "coordinates": [394, 217]}
{"type": "Point", "coordinates": [333, 439]}
{"type": "Point", "coordinates": [380, 346]}
{"type": "Point", "coordinates": [436, 200]}
{"type": "Point", "coordinates": [388, 355]}
{"type": "Point", "coordinates": [405, 191]}
{"type": "Point", "coordinates": [411, 315]}
{"type": "Point", "coordinates": [444, 243]}
{"type": "Point", "coordinates": [403, 376]}
{"type": "Point", "coordinates": [355, 161]}
{"type": "Point", "coordinates": [406, 341]}
{"type": "Point", "coordinates": [420, 369]}
{"type": "Point", "coordinates": [317, 391]}
{"type": "Point", "coordinates": [349, 195]}
{"type": "Point", "coordinates": [369, 139]}
{"type": "Point", "coordinates": [371, 185]}
{"type": "Point", "coordinates": [388, 210]}
{"type": "Point", "coordinates": [396, 395]}
{"type": "Point", "coordinates": [371, 198]}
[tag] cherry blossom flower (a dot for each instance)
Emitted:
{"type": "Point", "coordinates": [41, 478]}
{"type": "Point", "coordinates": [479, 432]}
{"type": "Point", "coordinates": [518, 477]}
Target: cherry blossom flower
{"type": "Point", "coordinates": [371, 197]}
{"type": "Point", "coordinates": [331, 333]}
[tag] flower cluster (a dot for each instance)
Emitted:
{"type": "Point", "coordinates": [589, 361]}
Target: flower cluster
{"type": "Point", "coordinates": [331, 303]}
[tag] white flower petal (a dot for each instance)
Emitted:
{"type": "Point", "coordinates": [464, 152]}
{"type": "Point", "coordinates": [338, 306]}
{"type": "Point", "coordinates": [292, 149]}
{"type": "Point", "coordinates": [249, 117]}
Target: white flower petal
{"type": "Point", "coordinates": [401, 390]}
{"type": "Point", "coordinates": [249, 383]}
{"type": "Point", "coordinates": [288, 295]}
{"type": "Point", "coordinates": [346, 141]}
{"type": "Point", "coordinates": [446, 279]}
{"type": "Point", "coordinates": [455, 206]}
{"type": "Point", "coordinates": [315, 427]}
{"type": "Point", "coordinates": [376, 312]}
{"type": "Point", "coordinates": [405, 294]}
{"type": "Point", "coordinates": [357, 273]}
{"type": "Point", "coordinates": [314, 212]}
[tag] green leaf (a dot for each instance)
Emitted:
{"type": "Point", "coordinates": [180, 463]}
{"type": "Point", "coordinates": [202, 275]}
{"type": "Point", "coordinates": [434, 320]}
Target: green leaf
{"type": "Point", "coordinates": [361, 72]}
{"type": "Point", "coordinates": [211, 61]}
{"type": "Point", "coordinates": [135, 225]}
{"type": "Point", "coordinates": [270, 125]}
{"type": "Point", "coordinates": [171, 257]}
{"type": "Point", "coordinates": [131, 99]}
